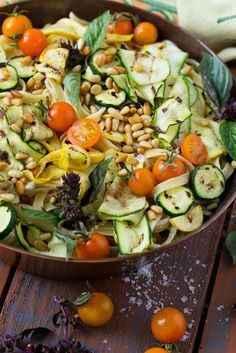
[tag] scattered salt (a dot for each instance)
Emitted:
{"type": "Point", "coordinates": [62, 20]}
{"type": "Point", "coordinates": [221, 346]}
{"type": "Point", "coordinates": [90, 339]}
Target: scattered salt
{"type": "Point", "coordinates": [220, 307]}
{"type": "Point", "coordinates": [184, 299]}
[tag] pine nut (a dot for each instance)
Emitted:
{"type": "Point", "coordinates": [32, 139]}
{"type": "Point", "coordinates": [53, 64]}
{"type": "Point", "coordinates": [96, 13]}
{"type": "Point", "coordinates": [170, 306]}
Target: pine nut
{"type": "Point", "coordinates": [138, 133]}
{"type": "Point", "coordinates": [102, 125]}
{"type": "Point", "coordinates": [29, 160]}
{"type": "Point", "coordinates": [93, 109]}
{"type": "Point", "coordinates": [120, 69]}
{"type": "Point", "coordinates": [144, 137]}
{"type": "Point", "coordinates": [40, 245]}
{"type": "Point", "coordinates": [6, 101]}
{"type": "Point", "coordinates": [135, 119]}
{"type": "Point", "coordinates": [122, 172]}
{"type": "Point", "coordinates": [95, 78]}
{"type": "Point", "coordinates": [45, 236]}
{"type": "Point", "coordinates": [133, 110]}
{"type": "Point", "coordinates": [204, 123]}
{"type": "Point", "coordinates": [16, 94]}
{"type": "Point", "coordinates": [108, 124]}
{"type": "Point", "coordinates": [132, 160]}
{"type": "Point", "coordinates": [117, 90]}
{"type": "Point", "coordinates": [80, 43]}
{"type": "Point", "coordinates": [24, 180]}
{"type": "Point", "coordinates": [138, 67]}
{"type": "Point", "coordinates": [112, 71]}
{"type": "Point", "coordinates": [137, 126]}
{"type": "Point", "coordinates": [155, 143]}
{"type": "Point", "coordinates": [52, 199]}
{"type": "Point", "coordinates": [81, 99]}
{"type": "Point", "coordinates": [148, 130]}
{"type": "Point", "coordinates": [76, 68]}
{"type": "Point", "coordinates": [8, 94]}
{"type": "Point", "coordinates": [96, 89]}
{"type": "Point", "coordinates": [16, 128]}
{"type": "Point", "coordinates": [16, 101]}
{"type": "Point", "coordinates": [20, 187]}
{"type": "Point", "coordinates": [108, 59]}
{"type": "Point", "coordinates": [212, 205]}
{"type": "Point", "coordinates": [30, 186]}
{"type": "Point", "coordinates": [3, 165]}
{"type": "Point", "coordinates": [147, 123]}
{"type": "Point", "coordinates": [37, 91]}
{"type": "Point", "coordinates": [13, 180]}
{"type": "Point", "coordinates": [140, 111]}
{"type": "Point", "coordinates": [99, 59]}
{"type": "Point", "coordinates": [233, 164]}
{"type": "Point", "coordinates": [121, 158]}
{"type": "Point", "coordinates": [128, 128]}
{"type": "Point", "coordinates": [20, 122]}
{"type": "Point", "coordinates": [30, 83]}
{"type": "Point", "coordinates": [7, 197]}
{"type": "Point", "coordinates": [4, 73]}
{"type": "Point", "coordinates": [157, 209]}
{"type": "Point", "coordinates": [28, 118]}
{"type": "Point", "coordinates": [115, 124]}
{"type": "Point", "coordinates": [37, 85]}
{"type": "Point", "coordinates": [87, 98]}
{"type": "Point", "coordinates": [109, 83]}
{"type": "Point", "coordinates": [121, 127]}
{"type": "Point", "coordinates": [115, 114]}
{"type": "Point", "coordinates": [110, 51]}
{"type": "Point", "coordinates": [26, 60]}
{"type": "Point", "coordinates": [145, 144]}
{"type": "Point", "coordinates": [86, 50]}
{"type": "Point", "coordinates": [140, 150]}
{"type": "Point", "coordinates": [151, 215]}
{"type": "Point", "coordinates": [31, 165]}
{"type": "Point", "coordinates": [147, 110]}
{"type": "Point", "coordinates": [85, 87]}
{"type": "Point", "coordinates": [127, 149]}
{"type": "Point", "coordinates": [186, 70]}
{"type": "Point", "coordinates": [15, 174]}
{"type": "Point", "coordinates": [124, 110]}
{"type": "Point", "coordinates": [128, 139]}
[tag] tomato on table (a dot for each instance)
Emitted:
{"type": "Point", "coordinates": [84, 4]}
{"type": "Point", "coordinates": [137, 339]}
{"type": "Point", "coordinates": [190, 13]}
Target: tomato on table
{"type": "Point", "coordinates": [85, 133]}
{"type": "Point", "coordinates": [15, 24]}
{"type": "Point", "coordinates": [33, 42]}
{"type": "Point", "coordinates": [168, 325]}
{"type": "Point", "coordinates": [193, 149]}
{"type": "Point", "coordinates": [166, 167]}
{"type": "Point", "coordinates": [97, 311]}
{"type": "Point", "coordinates": [61, 116]}
{"type": "Point", "coordinates": [156, 350]}
{"type": "Point", "coordinates": [145, 33]}
{"type": "Point", "coordinates": [121, 24]}
{"type": "Point", "coordinates": [95, 247]}
{"type": "Point", "coordinates": [141, 182]}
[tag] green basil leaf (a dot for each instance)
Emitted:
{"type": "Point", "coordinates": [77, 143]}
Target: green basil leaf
{"type": "Point", "coordinates": [42, 215]}
{"type": "Point", "coordinates": [219, 76]}
{"type": "Point", "coordinates": [72, 83]}
{"type": "Point", "coordinates": [230, 244]}
{"type": "Point", "coordinates": [38, 333]}
{"type": "Point", "coordinates": [96, 181]}
{"type": "Point", "coordinates": [70, 243]}
{"type": "Point", "coordinates": [96, 31]}
{"type": "Point", "coordinates": [228, 136]}
{"type": "Point", "coordinates": [82, 299]}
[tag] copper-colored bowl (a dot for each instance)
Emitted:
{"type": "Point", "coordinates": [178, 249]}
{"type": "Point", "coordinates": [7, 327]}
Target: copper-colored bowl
{"type": "Point", "coordinates": [45, 11]}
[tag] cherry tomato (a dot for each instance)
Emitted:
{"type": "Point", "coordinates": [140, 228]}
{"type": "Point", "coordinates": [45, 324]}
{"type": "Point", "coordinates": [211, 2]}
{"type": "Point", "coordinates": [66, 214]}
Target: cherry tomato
{"type": "Point", "coordinates": [145, 33]}
{"type": "Point", "coordinates": [121, 26]}
{"type": "Point", "coordinates": [95, 247]}
{"type": "Point", "coordinates": [61, 116]}
{"type": "Point", "coordinates": [97, 311]}
{"type": "Point", "coordinates": [170, 171]}
{"type": "Point", "coordinates": [193, 149]}
{"type": "Point", "coordinates": [33, 42]}
{"type": "Point", "coordinates": [14, 25]}
{"type": "Point", "coordinates": [142, 182]}
{"type": "Point", "coordinates": [84, 133]}
{"type": "Point", "coordinates": [156, 350]}
{"type": "Point", "coordinates": [168, 325]}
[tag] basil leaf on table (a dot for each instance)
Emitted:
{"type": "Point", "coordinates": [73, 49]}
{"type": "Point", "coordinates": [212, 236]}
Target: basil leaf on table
{"type": "Point", "coordinates": [228, 136]}
{"type": "Point", "coordinates": [217, 79]}
{"type": "Point", "coordinates": [96, 31]}
{"type": "Point", "coordinates": [72, 83]}
{"type": "Point", "coordinates": [42, 215]}
{"type": "Point", "coordinates": [38, 333]}
{"type": "Point", "coordinates": [96, 181]}
{"type": "Point", "coordinates": [230, 244]}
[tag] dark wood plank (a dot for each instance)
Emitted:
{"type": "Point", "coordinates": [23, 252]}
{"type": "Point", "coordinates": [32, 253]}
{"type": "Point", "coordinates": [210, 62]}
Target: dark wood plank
{"type": "Point", "coordinates": [219, 333]}
{"type": "Point", "coordinates": [179, 277]}
{"type": "Point", "coordinates": [4, 274]}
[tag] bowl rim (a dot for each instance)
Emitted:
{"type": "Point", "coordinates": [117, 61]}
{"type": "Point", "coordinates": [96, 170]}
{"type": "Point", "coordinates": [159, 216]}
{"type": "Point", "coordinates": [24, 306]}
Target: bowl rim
{"type": "Point", "coordinates": [183, 238]}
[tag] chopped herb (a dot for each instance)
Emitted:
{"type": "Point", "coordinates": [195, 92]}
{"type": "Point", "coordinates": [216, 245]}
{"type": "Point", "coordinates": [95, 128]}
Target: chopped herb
{"type": "Point", "coordinates": [75, 57]}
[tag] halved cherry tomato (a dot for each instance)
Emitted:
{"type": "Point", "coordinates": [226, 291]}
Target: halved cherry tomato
{"type": "Point", "coordinates": [97, 311]}
{"type": "Point", "coordinates": [33, 42]}
{"type": "Point", "coordinates": [61, 116]}
{"type": "Point", "coordinates": [193, 149]}
{"type": "Point", "coordinates": [156, 350]}
{"type": "Point", "coordinates": [15, 25]}
{"type": "Point", "coordinates": [163, 170]}
{"type": "Point", "coordinates": [121, 26]}
{"type": "Point", "coordinates": [95, 247]}
{"type": "Point", "coordinates": [141, 182]}
{"type": "Point", "coordinates": [145, 33]}
{"type": "Point", "coordinates": [168, 325]}
{"type": "Point", "coordinates": [84, 133]}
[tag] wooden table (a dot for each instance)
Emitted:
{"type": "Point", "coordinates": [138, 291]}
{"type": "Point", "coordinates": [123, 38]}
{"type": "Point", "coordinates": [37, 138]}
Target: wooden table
{"type": "Point", "coordinates": [198, 278]}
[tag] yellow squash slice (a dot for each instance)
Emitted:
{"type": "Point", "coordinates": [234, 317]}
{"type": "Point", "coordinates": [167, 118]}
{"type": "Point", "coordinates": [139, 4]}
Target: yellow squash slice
{"type": "Point", "coordinates": [189, 222]}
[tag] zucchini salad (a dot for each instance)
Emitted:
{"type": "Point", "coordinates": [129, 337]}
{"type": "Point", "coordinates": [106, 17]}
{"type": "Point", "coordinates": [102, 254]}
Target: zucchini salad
{"type": "Point", "coordinates": [109, 142]}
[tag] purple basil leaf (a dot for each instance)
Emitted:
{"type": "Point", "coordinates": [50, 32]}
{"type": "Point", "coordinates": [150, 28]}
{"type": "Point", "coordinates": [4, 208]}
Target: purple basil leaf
{"type": "Point", "coordinates": [38, 333]}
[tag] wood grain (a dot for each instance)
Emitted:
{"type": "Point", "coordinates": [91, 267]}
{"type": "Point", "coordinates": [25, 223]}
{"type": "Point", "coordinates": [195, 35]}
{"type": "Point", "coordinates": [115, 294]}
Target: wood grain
{"type": "Point", "coordinates": [178, 277]}
{"type": "Point", "coordinates": [4, 274]}
{"type": "Point", "coordinates": [220, 330]}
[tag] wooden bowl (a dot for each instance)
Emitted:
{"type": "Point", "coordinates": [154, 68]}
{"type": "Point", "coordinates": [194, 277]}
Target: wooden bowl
{"type": "Point", "coordinates": [45, 11]}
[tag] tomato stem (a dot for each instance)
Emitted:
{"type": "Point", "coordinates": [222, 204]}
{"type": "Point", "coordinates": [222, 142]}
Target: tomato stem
{"type": "Point", "coordinates": [169, 162]}
{"type": "Point", "coordinates": [15, 12]}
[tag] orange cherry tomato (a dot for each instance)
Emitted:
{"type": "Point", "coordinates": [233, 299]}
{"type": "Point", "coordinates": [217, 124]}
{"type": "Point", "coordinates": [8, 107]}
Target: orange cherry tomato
{"type": "Point", "coordinates": [97, 311]}
{"type": "Point", "coordinates": [61, 116]}
{"type": "Point", "coordinates": [162, 171]}
{"type": "Point", "coordinates": [33, 42]}
{"type": "Point", "coordinates": [156, 350]}
{"type": "Point", "coordinates": [95, 247]}
{"type": "Point", "coordinates": [84, 133]}
{"type": "Point", "coordinates": [142, 182]}
{"type": "Point", "coordinates": [15, 25]}
{"type": "Point", "coordinates": [121, 26]}
{"type": "Point", "coordinates": [168, 325]}
{"type": "Point", "coordinates": [193, 149]}
{"type": "Point", "coordinates": [145, 33]}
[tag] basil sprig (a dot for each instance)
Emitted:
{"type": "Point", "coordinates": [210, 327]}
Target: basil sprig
{"type": "Point", "coordinates": [47, 217]}
{"type": "Point", "coordinates": [228, 136]}
{"type": "Point", "coordinates": [72, 83]}
{"type": "Point", "coordinates": [230, 244]}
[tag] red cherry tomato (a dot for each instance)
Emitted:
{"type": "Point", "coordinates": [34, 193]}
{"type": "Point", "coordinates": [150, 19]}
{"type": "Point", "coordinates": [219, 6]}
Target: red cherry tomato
{"type": "Point", "coordinates": [95, 247]}
{"type": "Point", "coordinates": [33, 42]}
{"type": "Point", "coordinates": [84, 133]}
{"type": "Point", "coordinates": [193, 149]}
{"type": "Point", "coordinates": [15, 25]}
{"type": "Point", "coordinates": [61, 116]}
{"type": "Point", "coordinates": [141, 182]}
{"type": "Point", "coordinates": [145, 33]}
{"type": "Point", "coordinates": [162, 171]}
